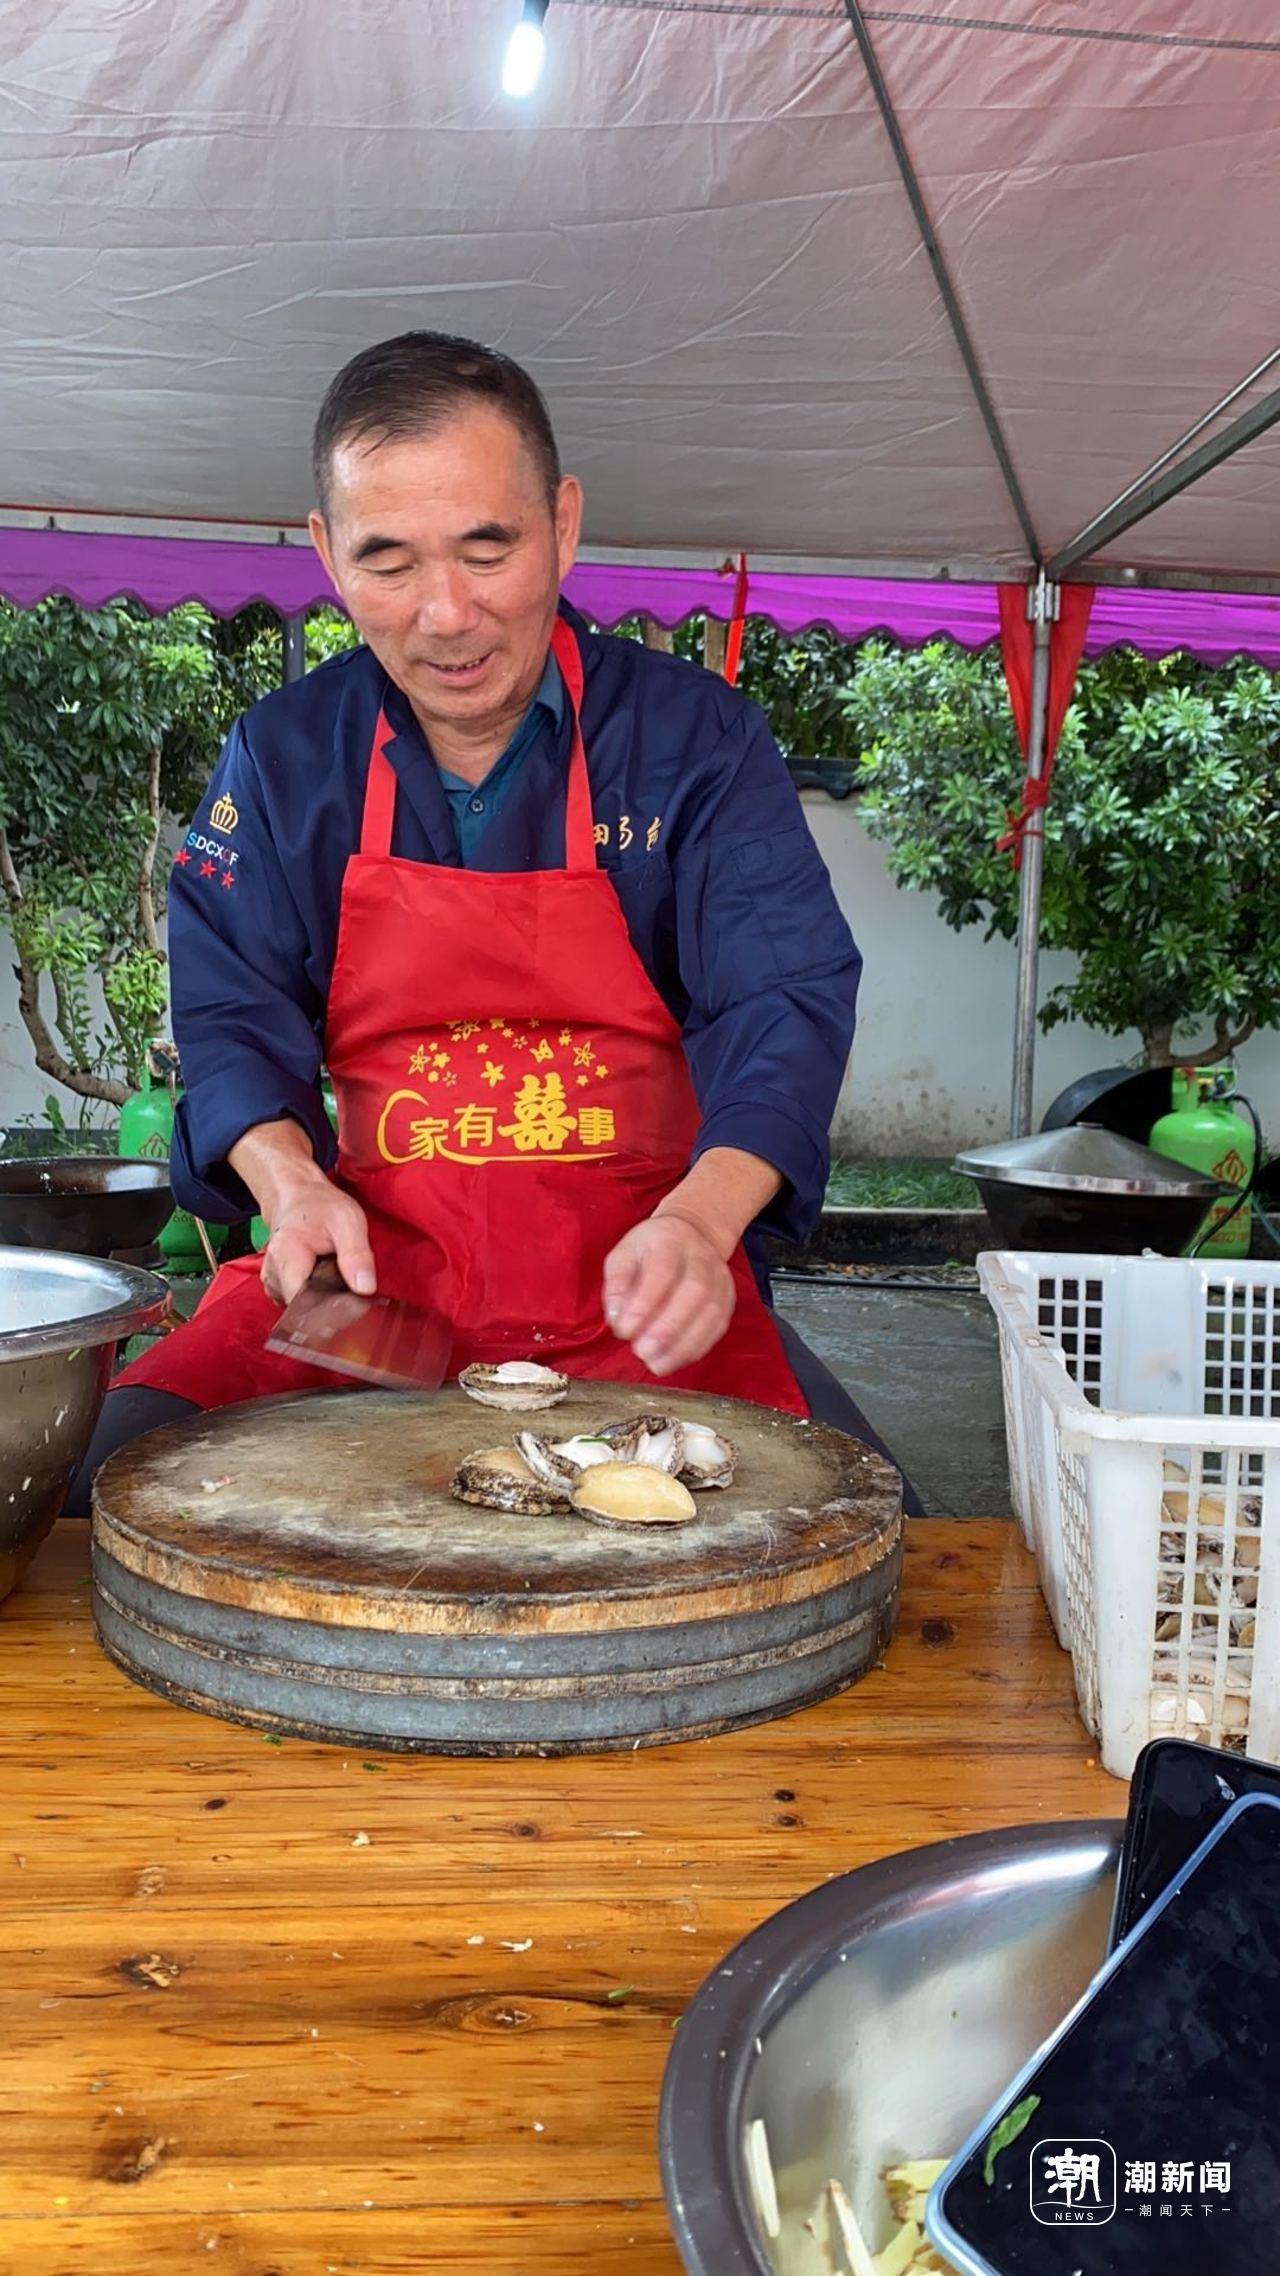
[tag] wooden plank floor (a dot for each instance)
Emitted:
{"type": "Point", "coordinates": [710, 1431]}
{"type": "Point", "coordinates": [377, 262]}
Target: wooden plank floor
{"type": "Point", "coordinates": [275, 2010]}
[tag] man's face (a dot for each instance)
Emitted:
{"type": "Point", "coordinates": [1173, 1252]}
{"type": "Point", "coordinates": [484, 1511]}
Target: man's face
{"type": "Point", "coordinates": [449, 559]}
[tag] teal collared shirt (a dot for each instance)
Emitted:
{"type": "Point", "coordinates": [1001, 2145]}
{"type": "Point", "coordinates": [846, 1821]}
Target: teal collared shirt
{"type": "Point", "coordinates": [474, 804]}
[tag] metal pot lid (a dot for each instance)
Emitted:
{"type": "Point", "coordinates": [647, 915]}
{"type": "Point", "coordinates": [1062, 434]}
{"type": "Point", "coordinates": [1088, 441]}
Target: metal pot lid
{"type": "Point", "coordinates": [1085, 1159]}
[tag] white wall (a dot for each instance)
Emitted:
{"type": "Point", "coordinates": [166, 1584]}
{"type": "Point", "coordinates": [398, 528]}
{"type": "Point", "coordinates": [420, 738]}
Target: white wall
{"type": "Point", "coordinates": [931, 1065]}
{"type": "Point", "coordinates": [23, 1090]}
{"type": "Point", "coordinates": [932, 1061]}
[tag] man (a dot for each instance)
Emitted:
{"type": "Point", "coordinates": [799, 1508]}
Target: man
{"type": "Point", "coordinates": [546, 906]}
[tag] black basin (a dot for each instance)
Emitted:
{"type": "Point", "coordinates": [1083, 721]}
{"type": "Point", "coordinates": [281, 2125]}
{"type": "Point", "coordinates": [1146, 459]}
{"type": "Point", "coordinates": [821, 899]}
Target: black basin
{"type": "Point", "coordinates": [1113, 1224]}
{"type": "Point", "coordinates": [91, 1204]}
{"type": "Point", "coordinates": [1128, 1100]}
{"type": "Point", "coordinates": [1085, 1188]}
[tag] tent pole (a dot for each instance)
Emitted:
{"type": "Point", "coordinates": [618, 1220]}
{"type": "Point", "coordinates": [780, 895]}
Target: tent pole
{"type": "Point", "coordinates": [1031, 874]}
{"type": "Point", "coordinates": [293, 647]}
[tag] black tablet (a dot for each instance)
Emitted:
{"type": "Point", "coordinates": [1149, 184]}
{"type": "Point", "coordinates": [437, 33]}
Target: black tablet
{"type": "Point", "coordinates": [1144, 2138]}
{"type": "Point", "coordinates": [1179, 1792]}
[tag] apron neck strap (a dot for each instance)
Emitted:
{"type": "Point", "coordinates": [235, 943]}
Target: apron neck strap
{"type": "Point", "coordinates": [379, 792]}
{"type": "Point", "coordinates": [579, 823]}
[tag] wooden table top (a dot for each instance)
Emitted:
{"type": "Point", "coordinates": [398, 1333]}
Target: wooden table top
{"type": "Point", "coordinates": [269, 2010]}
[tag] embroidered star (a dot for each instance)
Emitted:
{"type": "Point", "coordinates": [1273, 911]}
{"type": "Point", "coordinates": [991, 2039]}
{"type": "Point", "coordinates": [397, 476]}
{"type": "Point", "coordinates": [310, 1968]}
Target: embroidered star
{"type": "Point", "coordinates": [181, 858]}
{"type": "Point", "coordinates": [493, 1073]}
{"type": "Point", "coordinates": [601, 1072]}
{"type": "Point", "coordinates": [482, 1047]}
{"type": "Point", "coordinates": [582, 1082]}
{"type": "Point", "coordinates": [207, 868]}
{"type": "Point", "coordinates": [228, 877]}
{"type": "Point", "coordinates": [564, 1039]}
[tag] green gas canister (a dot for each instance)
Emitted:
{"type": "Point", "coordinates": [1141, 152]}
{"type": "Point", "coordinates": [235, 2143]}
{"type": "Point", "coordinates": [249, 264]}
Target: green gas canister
{"type": "Point", "coordinates": [146, 1120]}
{"type": "Point", "coordinates": [1204, 1131]}
{"type": "Point", "coordinates": [146, 1128]}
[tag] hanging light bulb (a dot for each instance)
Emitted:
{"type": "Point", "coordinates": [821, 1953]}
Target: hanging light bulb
{"type": "Point", "coordinates": [526, 48]}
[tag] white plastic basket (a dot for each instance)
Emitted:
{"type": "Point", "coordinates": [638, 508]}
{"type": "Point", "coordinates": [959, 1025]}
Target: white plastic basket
{"type": "Point", "coordinates": [1142, 1405]}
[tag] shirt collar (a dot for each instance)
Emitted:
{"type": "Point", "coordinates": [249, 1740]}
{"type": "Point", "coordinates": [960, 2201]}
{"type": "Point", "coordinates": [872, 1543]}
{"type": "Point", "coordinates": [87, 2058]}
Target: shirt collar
{"type": "Point", "coordinates": [551, 692]}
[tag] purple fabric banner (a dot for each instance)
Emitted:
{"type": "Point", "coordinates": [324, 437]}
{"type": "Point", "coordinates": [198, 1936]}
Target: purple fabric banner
{"type": "Point", "coordinates": [850, 606]}
{"type": "Point", "coordinates": [94, 567]}
{"type": "Point", "coordinates": [1215, 627]}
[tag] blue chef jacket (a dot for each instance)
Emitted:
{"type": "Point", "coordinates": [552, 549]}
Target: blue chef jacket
{"type": "Point", "coordinates": [725, 896]}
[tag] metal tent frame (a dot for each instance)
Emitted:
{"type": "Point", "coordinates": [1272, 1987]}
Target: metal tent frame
{"type": "Point", "coordinates": [1176, 470]}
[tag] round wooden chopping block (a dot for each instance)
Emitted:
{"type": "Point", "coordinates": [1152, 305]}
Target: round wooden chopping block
{"type": "Point", "coordinates": [300, 1564]}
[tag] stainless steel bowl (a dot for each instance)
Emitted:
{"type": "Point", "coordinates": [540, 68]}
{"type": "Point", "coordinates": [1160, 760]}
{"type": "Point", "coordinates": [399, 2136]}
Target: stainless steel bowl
{"type": "Point", "coordinates": [874, 2020]}
{"type": "Point", "coordinates": [61, 1319]}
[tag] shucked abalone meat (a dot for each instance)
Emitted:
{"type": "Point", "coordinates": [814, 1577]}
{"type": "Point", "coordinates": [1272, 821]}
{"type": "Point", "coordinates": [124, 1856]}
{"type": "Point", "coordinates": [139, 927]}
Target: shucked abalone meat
{"type": "Point", "coordinates": [539, 1473]}
{"type": "Point", "coordinates": [633, 1493]}
{"type": "Point", "coordinates": [498, 1477]}
{"type": "Point", "coordinates": [521, 1386]}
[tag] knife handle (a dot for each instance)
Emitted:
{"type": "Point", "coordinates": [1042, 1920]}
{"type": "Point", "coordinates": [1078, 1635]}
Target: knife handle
{"type": "Point", "coordinates": [326, 1279]}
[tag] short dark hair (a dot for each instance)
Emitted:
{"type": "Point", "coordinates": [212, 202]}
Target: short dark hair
{"type": "Point", "coordinates": [409, 386]}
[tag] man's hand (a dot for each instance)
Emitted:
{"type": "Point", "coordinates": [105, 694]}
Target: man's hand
{"type": "Point", "coordinates": [308, 1216]}
{"type": "Point", "coordinates": [668, 1290]}
{"type": "Point", "coordinates": [318, 1222]}
{"type": "Point", "coordinates": [668, 1293]}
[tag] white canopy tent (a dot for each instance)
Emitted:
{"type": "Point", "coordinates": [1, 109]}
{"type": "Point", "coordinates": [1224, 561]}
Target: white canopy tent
{"type": "Point", "coordinates": [695, 233]}
{"type": "Point", "coordinates": [884, 290]}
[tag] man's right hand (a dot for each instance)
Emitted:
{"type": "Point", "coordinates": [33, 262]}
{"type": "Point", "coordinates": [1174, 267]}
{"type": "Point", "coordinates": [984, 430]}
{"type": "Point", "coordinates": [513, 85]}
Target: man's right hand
{"type": "Point", "coordinates": [321, 1222]}
{"type": "Point", "coordinates": [308, 1216]}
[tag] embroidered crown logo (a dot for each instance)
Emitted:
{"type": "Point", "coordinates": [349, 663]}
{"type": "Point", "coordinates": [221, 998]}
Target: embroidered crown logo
{"type": "Point", "coordinates": [224, 815]}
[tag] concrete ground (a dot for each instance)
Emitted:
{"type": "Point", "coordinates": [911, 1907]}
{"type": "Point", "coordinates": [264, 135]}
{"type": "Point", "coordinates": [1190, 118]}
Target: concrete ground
{"type": "Point", "coordinates": [924, 1365]}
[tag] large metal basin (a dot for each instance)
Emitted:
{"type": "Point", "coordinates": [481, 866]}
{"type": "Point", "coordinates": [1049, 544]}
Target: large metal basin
{"type": "Point", "coordinates": [874, 2020]}
{"type": "Point", "coordinates": [61, 1319]}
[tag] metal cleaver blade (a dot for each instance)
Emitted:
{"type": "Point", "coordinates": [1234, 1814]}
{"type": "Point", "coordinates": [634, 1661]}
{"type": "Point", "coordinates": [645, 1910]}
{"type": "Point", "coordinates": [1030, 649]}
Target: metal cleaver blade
{"type": "Point", "coordinates": [377, 1339]}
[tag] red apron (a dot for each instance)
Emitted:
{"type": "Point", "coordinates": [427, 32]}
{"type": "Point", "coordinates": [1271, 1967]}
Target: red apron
{"type": "Point", "coordinates": [512, 1099]}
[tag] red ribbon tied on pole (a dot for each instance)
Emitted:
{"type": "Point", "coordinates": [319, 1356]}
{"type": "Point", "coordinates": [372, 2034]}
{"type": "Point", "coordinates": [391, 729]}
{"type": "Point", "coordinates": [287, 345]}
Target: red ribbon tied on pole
{"type": "Point", "coordinates": [737, 619]}
{"type": "Point", "coordinates": [1066, 646]}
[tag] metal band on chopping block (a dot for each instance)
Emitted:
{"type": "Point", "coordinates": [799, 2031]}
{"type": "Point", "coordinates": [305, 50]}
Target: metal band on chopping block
{"type": "Point", "coordinates": [300, 1565]}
